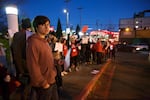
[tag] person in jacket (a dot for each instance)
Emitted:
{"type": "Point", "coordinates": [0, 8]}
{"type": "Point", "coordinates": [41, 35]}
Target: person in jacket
{"type": "Point", "coordinates": [8, 83]}
{"type": "Point", "coordinates": [4, 82]}
{"type": "Point", "coordinates": [18, 48]}
{"type": "Point", "coordinates": [64, 53]}
{"type": "Point", "coordinates": [93, 52]}
{"type": "Point", "coordinates": [3, 55]}
{"type": "Point", "coordinates": [73, 56]}
{"type": "Point", "coordinates": [99, 51]}
{"type": "Point", "coordinates": [40, 62]}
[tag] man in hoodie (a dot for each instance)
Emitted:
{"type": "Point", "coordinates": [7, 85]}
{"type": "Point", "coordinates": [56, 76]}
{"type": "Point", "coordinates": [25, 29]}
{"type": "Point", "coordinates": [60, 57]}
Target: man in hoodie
{"type": "Point", "coordinates": [40, 62]}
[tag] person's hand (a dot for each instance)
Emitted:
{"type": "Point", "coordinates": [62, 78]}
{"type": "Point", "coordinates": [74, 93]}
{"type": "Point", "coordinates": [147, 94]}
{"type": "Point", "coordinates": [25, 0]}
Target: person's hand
{"type": "Point", "coordinates": [46, 86]}
{"type": "Point", "coordinates": [7, 78]}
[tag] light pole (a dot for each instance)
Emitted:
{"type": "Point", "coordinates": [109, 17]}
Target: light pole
{"type": "Point", "coordinates": [67, 21]}
{"type": "Point", "coordinates": [80, 8]}
{"type": "Point", "coordinates": [67, 12]}
{"type": "Point", "coordinates": [67, 17]}
{"type": "Point", "coordinates": [67, 26]}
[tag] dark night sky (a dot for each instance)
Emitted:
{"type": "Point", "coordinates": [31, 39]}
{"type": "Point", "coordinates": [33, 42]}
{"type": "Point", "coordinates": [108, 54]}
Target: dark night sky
{"type": "Point", "coordinates": [103, 12]}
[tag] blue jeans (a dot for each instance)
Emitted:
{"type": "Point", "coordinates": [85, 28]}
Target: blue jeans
{"type": "Point", "coordinates": [44, 94]}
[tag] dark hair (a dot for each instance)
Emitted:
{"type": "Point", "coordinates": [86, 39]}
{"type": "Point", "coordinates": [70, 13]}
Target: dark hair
{"type": "Point", "coordinates": [39, 20]}
{"type": "Point", "coordinates": [26, 23]}
{"type": "Point", "coordinates": [62, 40]}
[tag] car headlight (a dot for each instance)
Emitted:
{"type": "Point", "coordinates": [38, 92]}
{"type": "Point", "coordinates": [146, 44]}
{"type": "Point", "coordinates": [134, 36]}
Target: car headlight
{"type": "Point", "coordinates": [137, 48]}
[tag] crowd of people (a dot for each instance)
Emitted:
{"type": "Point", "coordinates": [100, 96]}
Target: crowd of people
{"type": "Point", "coordinates": [41, 59]}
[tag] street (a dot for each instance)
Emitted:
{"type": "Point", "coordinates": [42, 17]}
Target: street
{"type": "Point", "coordinates": [129, 81]}
{"type": "Point", "coordinates": [127, 77]}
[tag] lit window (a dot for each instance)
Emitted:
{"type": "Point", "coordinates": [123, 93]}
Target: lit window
{"type": "Point", "coordinates": [136, 26]}
{"type": "Point", "coordinates": [137, 22]}
{"type": "Point", "coordinates": [127, 29]}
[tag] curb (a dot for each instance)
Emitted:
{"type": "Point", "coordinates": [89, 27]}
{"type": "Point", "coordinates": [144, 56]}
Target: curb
{"type": "Point", "coordinates": [88, 88]}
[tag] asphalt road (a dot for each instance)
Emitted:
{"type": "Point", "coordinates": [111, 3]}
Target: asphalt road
{"type": "Point", "coordinates": [127, 78]}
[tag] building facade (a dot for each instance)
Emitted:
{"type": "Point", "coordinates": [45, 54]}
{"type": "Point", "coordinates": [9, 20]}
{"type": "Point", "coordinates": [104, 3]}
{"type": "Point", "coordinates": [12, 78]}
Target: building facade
{"type": "Point", "coordinates": [136, 29]}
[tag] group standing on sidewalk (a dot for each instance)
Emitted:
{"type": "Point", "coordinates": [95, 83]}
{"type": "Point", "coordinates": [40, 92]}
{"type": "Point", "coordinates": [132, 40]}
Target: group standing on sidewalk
{"type": "Point", "coordinates": [40, 57]}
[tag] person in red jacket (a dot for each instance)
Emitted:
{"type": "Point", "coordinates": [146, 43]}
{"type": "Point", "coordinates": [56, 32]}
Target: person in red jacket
{"type": "Point", "coordinates": [65, 51]}
{"type": "Point", "coordinates": [99, 51]}
{"type": "Point", "coordinates": [93, 52]}
{"type": "Point", "coordinates": [8, 83]}
{"type": "Point", "coordinates": [65, 48]}
{"type": "Point", "coordinates": [73, 56]}
{"type": "Point", "coordinates": [4, 82]}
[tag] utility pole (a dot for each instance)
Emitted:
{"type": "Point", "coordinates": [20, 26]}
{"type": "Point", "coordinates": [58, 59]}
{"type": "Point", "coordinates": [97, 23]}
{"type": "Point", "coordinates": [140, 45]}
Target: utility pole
{"type": "Point", "coordinates": [68, 25]}
{"type": "Point", "coordinates": [80, 8]}
{"type": "Point", "coordinates": [67, 11]}
{"type": "Point", "coordinates": [67, 1]}
{"type": "Point", "coordinates": [97, 24]}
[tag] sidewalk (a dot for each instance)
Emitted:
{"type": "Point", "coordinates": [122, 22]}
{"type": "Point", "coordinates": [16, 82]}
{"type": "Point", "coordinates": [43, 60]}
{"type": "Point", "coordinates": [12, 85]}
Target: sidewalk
{"type": "Point", "coordinates": [77, 85]}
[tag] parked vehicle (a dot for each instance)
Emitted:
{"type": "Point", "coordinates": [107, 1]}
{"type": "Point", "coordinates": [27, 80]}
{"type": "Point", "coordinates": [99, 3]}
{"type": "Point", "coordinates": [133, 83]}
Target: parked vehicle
{"type": "Point", "coordinates": [141, 46]}
{"type": "Point", "coordinates": [125, 48]}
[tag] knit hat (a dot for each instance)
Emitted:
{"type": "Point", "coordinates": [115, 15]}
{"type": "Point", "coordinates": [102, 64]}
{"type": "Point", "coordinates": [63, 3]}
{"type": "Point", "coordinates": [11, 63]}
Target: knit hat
{"type": "Point", "coordinates": [26, 23]}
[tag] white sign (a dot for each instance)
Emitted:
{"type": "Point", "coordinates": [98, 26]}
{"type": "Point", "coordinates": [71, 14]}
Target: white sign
{"type": "Point", "coordinates": [58, 47]}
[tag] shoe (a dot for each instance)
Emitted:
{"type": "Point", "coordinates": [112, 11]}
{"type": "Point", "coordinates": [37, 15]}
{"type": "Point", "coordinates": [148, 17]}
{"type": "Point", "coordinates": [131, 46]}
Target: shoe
{"type": "Point", "coordinates": [76, 69]}
{"type": "Point", "coordinates": [62, 74]}
{"type": "Point", "coordinates": [70, 70]}
{"type": "Point", "coordinates": [73, 66]}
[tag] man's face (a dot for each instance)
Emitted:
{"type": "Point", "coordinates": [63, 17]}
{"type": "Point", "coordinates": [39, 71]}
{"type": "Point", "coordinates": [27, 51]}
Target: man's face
{"type": "Point", "coordinates": [44, 29]}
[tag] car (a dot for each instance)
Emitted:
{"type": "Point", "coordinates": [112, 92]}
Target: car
{"type": "Point", "coordinates": [140, 46]}
{"type": "Point", "coordinates": [125, 48]}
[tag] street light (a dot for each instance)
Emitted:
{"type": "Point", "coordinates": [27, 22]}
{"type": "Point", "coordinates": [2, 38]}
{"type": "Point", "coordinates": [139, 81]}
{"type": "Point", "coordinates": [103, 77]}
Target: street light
{"type": "Point", "coordinates": [12, 19]}
{"type": "Point", "coordinates": [67, 17]}
{"type": "Point", "coordinates": [67, 21]}
{"type": "Point", "coordinates": [67, 26]}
